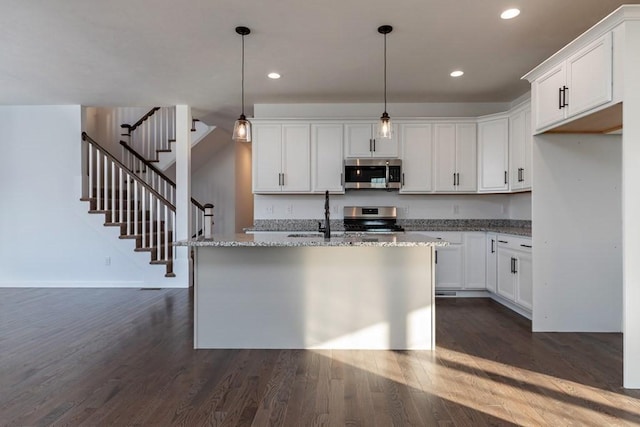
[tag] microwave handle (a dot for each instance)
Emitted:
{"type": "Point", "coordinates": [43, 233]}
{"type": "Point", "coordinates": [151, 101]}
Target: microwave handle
{"type": "Point", "coordinates": [386, 177]}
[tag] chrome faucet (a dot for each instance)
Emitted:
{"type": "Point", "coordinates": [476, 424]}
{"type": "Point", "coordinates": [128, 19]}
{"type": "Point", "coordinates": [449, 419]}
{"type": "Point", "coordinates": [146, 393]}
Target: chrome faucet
{"type": "Point", "coordinates": [327, 227]}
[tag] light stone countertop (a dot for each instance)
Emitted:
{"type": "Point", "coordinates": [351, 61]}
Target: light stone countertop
{"type": "Point", "coordinates": [307, 240]}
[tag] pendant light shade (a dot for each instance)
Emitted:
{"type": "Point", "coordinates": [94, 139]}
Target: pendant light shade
{"type": "Point", "coordinates": [242, 127]}
{"type": "Point", "coordinates": [385, 127]}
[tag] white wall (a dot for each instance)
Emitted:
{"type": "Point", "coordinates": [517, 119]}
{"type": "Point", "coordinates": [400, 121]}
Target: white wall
{"type": "Point", "coordinates": [577, 233]}
{"type": "Point", "coordinates": [103, 125]}
{"type": "Point", "coordinates": [214, 182]}
{"type": "Point", "coordinates": [47, 236]}
{"type": "Point", "coordinates": [297, 206]}
{"type": "Point", "coordinates": [520, 206]}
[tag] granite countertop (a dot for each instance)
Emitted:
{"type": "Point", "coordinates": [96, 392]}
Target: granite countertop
{"type": "Point", "coordinates": [306, 240]}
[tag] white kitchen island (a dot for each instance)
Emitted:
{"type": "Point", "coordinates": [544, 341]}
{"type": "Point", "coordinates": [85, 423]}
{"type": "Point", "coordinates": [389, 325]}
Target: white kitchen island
{"type": "Point", "coordinates": [349, 292]}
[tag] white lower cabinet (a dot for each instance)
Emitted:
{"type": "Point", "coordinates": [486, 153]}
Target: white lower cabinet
{"type": "Point", "coordinates": [492, 262]}
{"type": "Point", "coordinates": [514, 270]}
{"type": "Point", "coordinates": [475, 260]}
{"type": "Point", "coordinates": [449, 267]}
{"type": "Point", "coordinates": [462, 264]}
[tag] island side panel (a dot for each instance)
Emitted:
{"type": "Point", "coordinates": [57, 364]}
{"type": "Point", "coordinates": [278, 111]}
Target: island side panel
{"type": "Point", "coordinates": [315, 297]}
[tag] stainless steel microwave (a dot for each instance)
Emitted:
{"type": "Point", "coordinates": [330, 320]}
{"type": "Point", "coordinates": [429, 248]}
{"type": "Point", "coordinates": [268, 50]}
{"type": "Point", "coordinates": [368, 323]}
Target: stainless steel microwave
{"type": "Point", "coordinates": [384, 174]}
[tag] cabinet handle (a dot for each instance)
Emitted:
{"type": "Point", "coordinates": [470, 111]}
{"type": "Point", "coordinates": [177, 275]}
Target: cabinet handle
{"type": "Point", "coordinates": [374, 145]}
{"type": "Point", "coordinates": [493, 246]}
{"type": "Point", "coordinates": [280, 179]}
{"type": "Point", "coordinates": [454, 179]}
{"type": "Point", "coordinates": [515, 265]}
{"type": "Point", "coordinates": [458, 178]}
{"type": "Point", "coordinates": [560, 90]}
{"type": "Point", "coordinates": [506, 179]}
{"type": "Point", "coordinates": [342, 179]}
{"type": "Point", "coordinates": [564, 96]}
{"type": "Point", "coordinates": [502, 241]}
{"type": "Point", "coordinates": [403, 179]}
{"type": "Point", "coordinates": [436, 257]}
{"type": "Point", "coordinates": [526, 246]}
{"type": "Point", "coordinates": [370, 144]}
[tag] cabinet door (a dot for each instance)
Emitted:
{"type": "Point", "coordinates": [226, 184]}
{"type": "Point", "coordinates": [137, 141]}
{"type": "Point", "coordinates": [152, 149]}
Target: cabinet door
{"type": "Point", "coordinates": [267, 158]}
{"type": "Point", "coordinates": [493, 155]}
{"type": "Point", "coordinates": [358, 139]}
{"type": "Point", "coordinates": [327, 162]}
{"type": "Point", "coordinates": [589, 77]}
{"type": "Point", "coordinates": [445, 157]}
{"type": "Point", "coordinates": [383, 147]}
{"type": "Point", "coordinates": [449, 267]}
{"type": "Point", "coordinates": [517, 135]}
{"type": "Point", "coordinates": [475, 260]}
{"type": "Point", "coordinates": [547, 100]}
{"type": "Point", "coordinates": [417, 158]}
{"type": "Point", "coordinates": [466, 157]}
{"type": "Point", "coordinates": [506, 279]}
{"type": "Point", "coordinates": [524, 292]}
{"type": "Point", "coordinates": [492, 262]}
{"type": "Point", "coordinates": [296, 158]}
{"type": "Point", "coordinates": [527, 172]}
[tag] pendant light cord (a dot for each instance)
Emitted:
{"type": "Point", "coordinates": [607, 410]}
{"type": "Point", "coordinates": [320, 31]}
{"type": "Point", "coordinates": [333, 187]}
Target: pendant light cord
{"type": "Point", "coordinates": [242, 84]}
{"type": "Point", "coordinates": [385, 73]}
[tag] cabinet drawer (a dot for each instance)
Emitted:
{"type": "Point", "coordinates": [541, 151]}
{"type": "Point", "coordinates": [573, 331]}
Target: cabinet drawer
{"type": "Point", "coordinates": [452, 237]}
{"type": "Point", "coordinates": [514, 242]}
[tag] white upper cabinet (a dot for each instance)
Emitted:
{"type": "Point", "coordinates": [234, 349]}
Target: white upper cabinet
{"type": "Point", "coordinates": [455, 157]}
{"type": "Point", "coordinates": [574, 86]}
{"type": "Point", "coordinates": [281, 158]}
{"type": "Point", "coordinates": [327, 151]}
{"type": "Point", "coordinates": [361, 142]}
{"type": "Point", "coordinates": [520, 139]}
{"type": "Point", "coordinates": [589, 72]}
{"type": "Point", "coordinates": [493, 154]}
{"type": "Point", "coordinates": [416, 151]}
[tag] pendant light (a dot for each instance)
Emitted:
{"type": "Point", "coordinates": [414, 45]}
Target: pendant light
{"type": "Point", "coordinates": [242, 127]}
{"type": "Point", "coordinates": [385, 129]}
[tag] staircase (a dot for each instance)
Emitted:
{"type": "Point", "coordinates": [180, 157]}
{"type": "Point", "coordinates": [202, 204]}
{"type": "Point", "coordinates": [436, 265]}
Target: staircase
{"type": "Point", "coordinates": [136, 196]}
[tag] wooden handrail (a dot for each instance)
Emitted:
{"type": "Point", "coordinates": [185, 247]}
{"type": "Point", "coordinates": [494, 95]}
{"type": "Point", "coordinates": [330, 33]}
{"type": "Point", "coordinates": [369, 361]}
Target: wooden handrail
{"type": "Point", "coordinates": [86, 137]}
{"type": "Point", "coordinates": [156, 170]}
{"type": "Point", "coordinates": [133, 127]}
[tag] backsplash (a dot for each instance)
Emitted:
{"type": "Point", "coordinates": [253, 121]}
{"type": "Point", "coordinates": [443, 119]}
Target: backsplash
{"type": "Point", "coordinates": [410, 206]}
{"type": "Point", "coordinates": [408, 224]}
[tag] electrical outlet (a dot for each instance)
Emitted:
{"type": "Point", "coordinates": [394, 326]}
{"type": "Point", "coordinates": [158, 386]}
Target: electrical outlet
{"type": "Point", "coordinates": [269, 209]}
{"type": "Point", "coordinates": [456, 209]}
{"type": "Point", "coordinates": [405, 210]}
{"type": "Point", "coordinates": [289, 209]}
{"type": "Point", "coordinates": [107, 261]}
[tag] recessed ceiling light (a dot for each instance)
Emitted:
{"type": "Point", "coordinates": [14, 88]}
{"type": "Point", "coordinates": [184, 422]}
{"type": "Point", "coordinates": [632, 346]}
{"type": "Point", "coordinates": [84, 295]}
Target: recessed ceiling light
{"type": "Point", "coordinates": [456, 73]}
{"type": "Point", "coordinates": [510, 13]}
{"type": "Point", "coordinates": [273, 75]}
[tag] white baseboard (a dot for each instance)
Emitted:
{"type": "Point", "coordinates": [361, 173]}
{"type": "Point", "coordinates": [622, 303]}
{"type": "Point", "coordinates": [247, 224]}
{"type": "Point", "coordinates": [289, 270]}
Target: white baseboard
{"type": "Point", "coordinates": [103, 284]}
{"type": "Point", "coordinates": [453, 293]}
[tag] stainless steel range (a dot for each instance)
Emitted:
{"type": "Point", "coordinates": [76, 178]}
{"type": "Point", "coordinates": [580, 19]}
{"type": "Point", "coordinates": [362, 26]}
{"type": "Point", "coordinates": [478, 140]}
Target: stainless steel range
{"type": "Point", "coordinates": [371, 219]}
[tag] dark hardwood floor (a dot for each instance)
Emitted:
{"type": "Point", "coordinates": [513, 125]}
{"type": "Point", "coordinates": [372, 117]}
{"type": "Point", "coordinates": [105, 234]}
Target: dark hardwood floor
{"type": "Point", "coordinates": [75, 357]}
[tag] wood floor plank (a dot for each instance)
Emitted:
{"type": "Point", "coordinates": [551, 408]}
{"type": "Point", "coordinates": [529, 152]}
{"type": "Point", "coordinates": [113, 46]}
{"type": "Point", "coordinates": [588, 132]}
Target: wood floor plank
{"type": "Point", "coordinates": [98, 357]}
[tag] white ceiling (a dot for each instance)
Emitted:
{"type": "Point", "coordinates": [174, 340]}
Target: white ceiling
{"type": "Point", "coordinates": [164, 52]}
